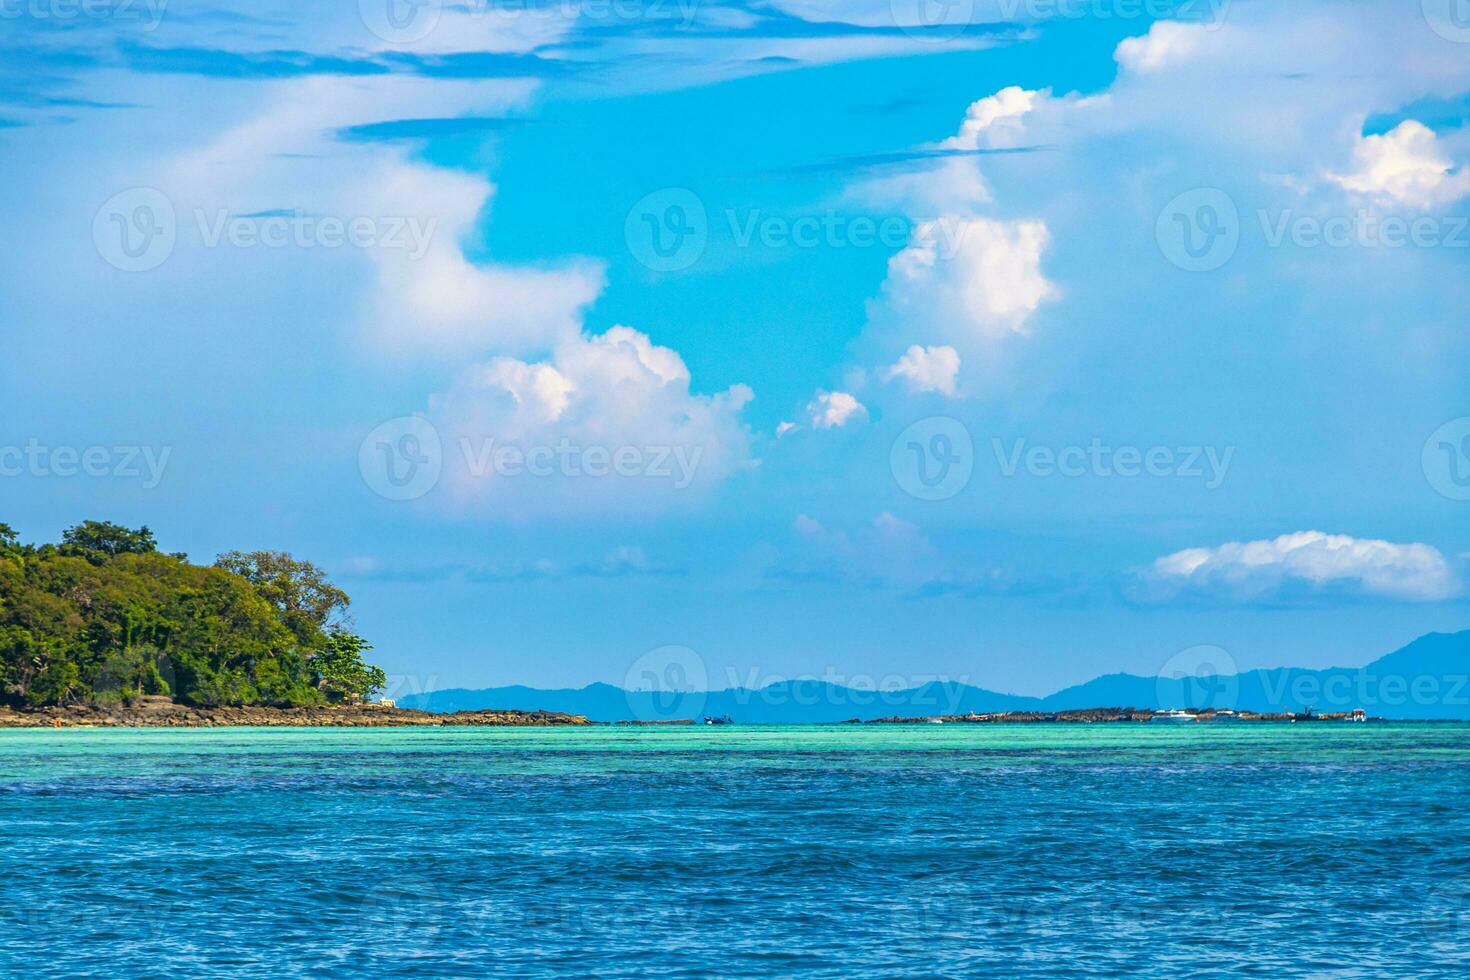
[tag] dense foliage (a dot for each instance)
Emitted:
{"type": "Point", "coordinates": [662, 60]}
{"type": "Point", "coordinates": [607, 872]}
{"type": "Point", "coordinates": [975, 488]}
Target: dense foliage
{"type": "Point", "coordinates": [105, 616]}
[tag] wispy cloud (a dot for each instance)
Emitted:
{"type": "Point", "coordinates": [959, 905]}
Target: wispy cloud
{"type": "Point", "coordinates": [898, 160]}
{"type": "Point", "coordinates": [620, 563]}
{"type": "Point", "coordinates": [417, 129]}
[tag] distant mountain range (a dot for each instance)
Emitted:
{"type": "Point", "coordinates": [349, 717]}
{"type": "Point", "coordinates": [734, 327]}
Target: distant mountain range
{"type": "Point", "coordinates": [1428, 679]}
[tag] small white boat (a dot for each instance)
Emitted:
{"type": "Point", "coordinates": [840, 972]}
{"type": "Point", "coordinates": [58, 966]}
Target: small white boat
{"type": "Point", "coordinates": [1176, 716]}
{"type": "Point", "coordinates": [936, 721]}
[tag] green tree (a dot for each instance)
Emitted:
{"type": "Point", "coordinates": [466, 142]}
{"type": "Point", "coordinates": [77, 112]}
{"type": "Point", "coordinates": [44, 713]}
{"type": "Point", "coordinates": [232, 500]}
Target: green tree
{"type": "Point", "coordinates": [307, 602]}
{"type": "Point", "coordinates": [95, 540]}
{"type": "Point", "coordinates": [342, 674]}
{"type": "Point", "coordinates": [105, 616]}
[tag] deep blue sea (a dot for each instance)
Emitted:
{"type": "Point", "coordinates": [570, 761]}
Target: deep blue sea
{"type": "Point", "coordinates": [873, 851]}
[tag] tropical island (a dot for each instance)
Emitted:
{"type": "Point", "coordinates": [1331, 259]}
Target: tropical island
{"type": "Point", "coordinates": [103, 628]}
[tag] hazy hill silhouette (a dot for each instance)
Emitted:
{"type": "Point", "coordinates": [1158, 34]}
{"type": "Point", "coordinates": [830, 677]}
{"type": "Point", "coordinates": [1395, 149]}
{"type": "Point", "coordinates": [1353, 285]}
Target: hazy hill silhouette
{"type": "Point", "coordinates": [1428, 679]}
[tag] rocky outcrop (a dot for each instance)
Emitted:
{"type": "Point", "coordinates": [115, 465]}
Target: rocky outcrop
{"type": "Point", "coordinates": [157, 712]}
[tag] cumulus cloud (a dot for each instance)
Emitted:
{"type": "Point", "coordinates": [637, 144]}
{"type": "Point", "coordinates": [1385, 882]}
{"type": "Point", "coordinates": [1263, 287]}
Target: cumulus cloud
{"type": "Point", "coordinates": [996, 121]}
{"type": "Point", "coordinates": [965, 277]}
{"type": "Point", "coordinates": [538, 382]}
{"type": "Point", "coordinates": [1167, 43]}
{"type": "Point", "coordinates": [927, 369]}
{"type": "Point", "coordinates": [1405, 165]}
{"type": "Point", "coordinates": [981, 276]}
{"type": "Point", "coordinates": [1304, 563]}
{"type": "Point", "coordinates": [834, 409]}
{"type": "Point", "coordinates": [608, 424]}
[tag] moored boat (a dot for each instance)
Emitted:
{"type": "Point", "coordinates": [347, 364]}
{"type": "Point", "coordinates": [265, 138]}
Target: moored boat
{"type": "Point", "coordinates": [1175, 716]}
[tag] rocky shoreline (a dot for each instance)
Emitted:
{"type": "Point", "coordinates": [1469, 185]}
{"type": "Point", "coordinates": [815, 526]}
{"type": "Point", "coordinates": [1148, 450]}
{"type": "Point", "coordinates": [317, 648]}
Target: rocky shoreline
{"type": "Point", "coordinates": [154, 712]}
{"type": "Point", "coordinates": [161, 712]}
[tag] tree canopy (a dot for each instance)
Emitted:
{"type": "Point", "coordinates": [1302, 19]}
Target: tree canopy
{"type": "Point", "coordinates": [299, 590]}
{"type": "Point", "coordinates": [103, 539]}
{"type": "Point", "coordinates": [104, 616]}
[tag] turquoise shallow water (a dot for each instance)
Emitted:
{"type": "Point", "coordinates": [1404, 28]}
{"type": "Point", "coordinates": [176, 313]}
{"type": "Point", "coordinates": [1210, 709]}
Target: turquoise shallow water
{"type": "Point", "coordinates": [879, 851]}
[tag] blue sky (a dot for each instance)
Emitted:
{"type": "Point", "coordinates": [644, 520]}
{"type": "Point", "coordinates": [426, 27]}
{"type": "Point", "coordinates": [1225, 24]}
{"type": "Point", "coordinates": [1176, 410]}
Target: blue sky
{"type": "Point", "coordinates": [1011, 342]}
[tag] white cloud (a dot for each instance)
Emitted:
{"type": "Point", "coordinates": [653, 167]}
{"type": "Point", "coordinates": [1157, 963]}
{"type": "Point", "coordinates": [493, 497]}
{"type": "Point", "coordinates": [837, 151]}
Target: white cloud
{"type": "Point", "coordinates": [783, 428]}
{"type": "Point", "coordinates": [1306, 561]}
{"type": "Point", "coordinates": [442, 303]}
{"type": "Point", "coordinates": [427, 298]}
{"type": "Point", "coordinates": [833, 409]}
{"type": "Point", "coordinates": [927, 369]}
{"type": "Point", "coordinates": [981, 275]}
{"type": "Point", "coordinates": [1167, 43]}
{"type": "Point", "coordinates": [996, 120]}
{"type": "Point", "coordinates": [965, 278]}
{"type": "Point", "coordinates": [607, 424]}
{"type": "Point", "coordinates": [1406, 165]}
